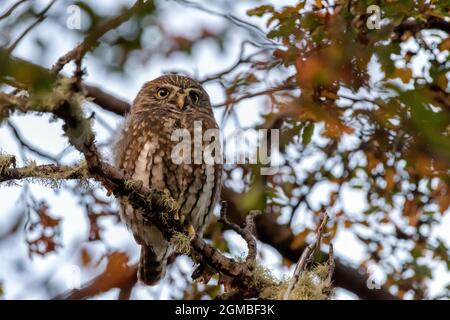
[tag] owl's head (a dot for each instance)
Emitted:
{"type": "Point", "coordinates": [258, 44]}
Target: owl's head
{"type": "Point", "coordinates": [174, 93]}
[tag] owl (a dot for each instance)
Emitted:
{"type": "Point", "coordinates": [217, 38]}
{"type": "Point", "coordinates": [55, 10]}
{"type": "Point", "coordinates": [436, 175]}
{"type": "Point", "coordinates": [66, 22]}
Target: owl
{"type": "Point", "coordinates": [144, 151]}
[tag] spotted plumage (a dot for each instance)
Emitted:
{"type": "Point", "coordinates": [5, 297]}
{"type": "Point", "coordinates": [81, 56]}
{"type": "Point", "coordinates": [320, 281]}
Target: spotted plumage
{"type": "Point", "coordinates": [144, 151]}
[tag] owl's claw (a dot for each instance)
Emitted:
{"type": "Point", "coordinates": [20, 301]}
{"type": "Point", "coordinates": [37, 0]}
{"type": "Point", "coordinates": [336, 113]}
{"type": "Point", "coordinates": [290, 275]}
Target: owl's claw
{"type": "Point", "coordinates": [191, 232]}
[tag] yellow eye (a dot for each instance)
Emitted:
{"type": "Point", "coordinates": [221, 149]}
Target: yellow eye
{"type": "Point", "coordinates": [194, 96]}
{"type": "Point", "coordinates": [162, 93]}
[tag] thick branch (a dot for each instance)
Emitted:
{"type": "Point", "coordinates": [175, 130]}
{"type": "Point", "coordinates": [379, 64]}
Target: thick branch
{"type": "Point", "coordinates": [107, 101]}
{"type": "Point", "coordinates": [414, 25]}
{"type": "Point", "coordinates": [48, 171]}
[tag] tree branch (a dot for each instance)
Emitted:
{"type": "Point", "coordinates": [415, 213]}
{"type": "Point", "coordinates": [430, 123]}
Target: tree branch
{"type": "Point", "coordinates": [107, 101]}
{"type": "Point", "coordinates": [11, 9]}
{"type": "Point", "coordinates": [414, 25]}
{"type": "Point", "coordinates": [306, 257]}
{"type": "Point", "coordinates": [40, 17]}
{"type": "Point", "coordinates": [27, 145]}
{"type": "Point", "coordinates": [91, 41]}
{"type": "Point", "coordinates": [47, 171]}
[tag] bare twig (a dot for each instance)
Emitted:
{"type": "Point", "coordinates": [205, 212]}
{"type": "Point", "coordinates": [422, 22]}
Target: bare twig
{"type": "Point", "coordinates": [241, 60]}
{"type": "Point", "coordinates": [11, 9]}
{"type": "Point", "coordinates": [40, 18]}
{"type": "Point", "coordinates": [27, 145]}
{"type": "Point", "coordinates": [306, 257]}
{"type": "Point", "coordinates": [331, 265]}
{"type": "Point", "coordinates": [256, 33]}
{"type": "Point", "coordinates": [247, 233]}
{"type": "Point", "coordinates": [263, 92]}
{"type": "Point", "coordinates": [91, 41]}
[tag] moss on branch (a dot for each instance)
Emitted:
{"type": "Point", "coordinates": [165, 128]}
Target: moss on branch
{"type": "Point", "coordinates": [49, 174]}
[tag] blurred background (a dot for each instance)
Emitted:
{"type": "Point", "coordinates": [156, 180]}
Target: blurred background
{"type": "Point", "coordinates": [360, 98]}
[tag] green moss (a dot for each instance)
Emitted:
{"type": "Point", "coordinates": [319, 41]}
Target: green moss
{"type": "Point", "coordinates": [128, 184]}
{"type": "Point", "coordinates": [43, 175]}
{"type": "Point", "coordinates": [311, 285]}
{"type": "Point", "coordinates": [48, 100]}
{"type": "Point", "coordinates": [262, 277]}
{"type": "Point", "coordinates": [182, 243]}
{"type": "Point", "coordinates": [79, 131]}
{"type": "Point", "coordinates": [6, 161]}
{"type": "Point", "coordinates": [8, 103]}
{"type": "Point", "coordinates": [168, 201]}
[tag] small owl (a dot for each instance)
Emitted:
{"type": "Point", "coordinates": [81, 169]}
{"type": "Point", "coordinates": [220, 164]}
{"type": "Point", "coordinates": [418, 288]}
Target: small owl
{"type": "Point", "coordinates": [144, 151]}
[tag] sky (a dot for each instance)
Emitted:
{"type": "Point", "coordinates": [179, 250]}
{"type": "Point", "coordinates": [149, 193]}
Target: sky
{"type": "Point", "coordinates": [61, 267]}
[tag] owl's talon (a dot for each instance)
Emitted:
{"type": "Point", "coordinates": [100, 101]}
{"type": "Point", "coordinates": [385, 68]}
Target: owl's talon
{"type": "Point", "coordinates": [191, 232]}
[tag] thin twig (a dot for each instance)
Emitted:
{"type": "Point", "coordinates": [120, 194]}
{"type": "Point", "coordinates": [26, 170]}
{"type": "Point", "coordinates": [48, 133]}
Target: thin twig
{"type": "Point", "coordinates": [27, 145]}
{"type": "Point", "coordinates": [247, 233]}
{"type": "Point", "coordinates": [40, 18]}
{"type": "Point", "coordinates": [11, 9]}
{"type": "Point", "coordinates": [91, 40]}
{"type": "Point", "coordinates": [255, 32]}
{"type": "Point", "coordinates": [255, 94]}
{"type": "Point", "coordinates": [241, 60]}
{"type": "Point", "coordinates": [306, 257]}
{"type": "Point", "coordinates": [331, 263]}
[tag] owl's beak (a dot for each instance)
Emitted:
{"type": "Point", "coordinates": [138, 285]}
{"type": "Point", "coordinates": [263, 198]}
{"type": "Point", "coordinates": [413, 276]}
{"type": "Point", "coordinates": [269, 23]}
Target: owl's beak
{"type": "Point", "coordinates": [181, 100]}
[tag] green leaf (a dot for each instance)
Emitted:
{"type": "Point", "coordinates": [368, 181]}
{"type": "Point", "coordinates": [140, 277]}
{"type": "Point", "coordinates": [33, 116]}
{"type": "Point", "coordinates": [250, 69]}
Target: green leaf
{"type": "Point", "coordinates": [260, 11]}
{"type": "Point", "coordinates": [255, 198]}
{"type": "Point", "coordinates": [283, 30]}
{"type": "Point", "coordinates": [307, 133]}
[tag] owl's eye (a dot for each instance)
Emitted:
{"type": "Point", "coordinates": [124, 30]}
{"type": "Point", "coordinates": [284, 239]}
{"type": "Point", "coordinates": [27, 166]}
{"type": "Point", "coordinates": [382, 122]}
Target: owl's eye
{"type": "Point", "coordinates": [194, 96]}
{"type": "Point", "coordinates": [162, 93]}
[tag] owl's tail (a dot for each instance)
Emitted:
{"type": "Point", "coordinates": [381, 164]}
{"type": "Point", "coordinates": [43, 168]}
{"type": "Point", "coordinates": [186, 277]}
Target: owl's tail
{"type": "Point", "coordinates": [151, 269]}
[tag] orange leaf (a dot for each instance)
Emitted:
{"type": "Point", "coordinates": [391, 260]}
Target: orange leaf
{"type": "Point", "coordinates": [445, 44]}
{"type": "Point", "coordinates": [411, 211]}
{"type": "Point", "coordinates": [405, 74]}
{"type": "Point", "coordinates": [299, 239]}
{"type": "Point", "coordinates": [86, 258]}
{"type": "Point", "coordinates": [389, 177]}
